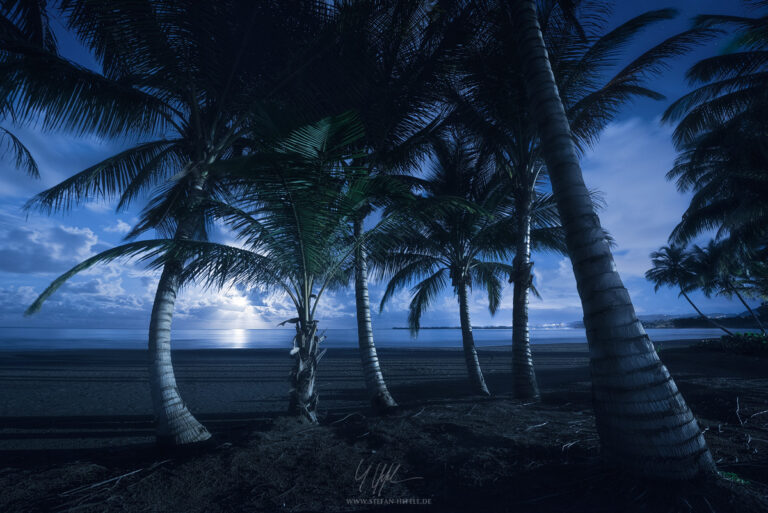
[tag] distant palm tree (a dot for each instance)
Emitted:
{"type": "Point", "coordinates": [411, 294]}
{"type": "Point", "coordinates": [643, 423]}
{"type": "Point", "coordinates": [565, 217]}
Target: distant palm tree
{"type": "Point", "coordinates": [467, 246]}
{"type": "Point", "coordinates": [676, 267]}
{"type": "Point", "coordinates": [194, 73]}
{"type": "Point", "coordinates": [390, 59]}
{"type": "Point", "coordinates": [715, 268]}
{"type": "Point", "coordinates": [643, 421]}
{"type": "Point", "coordinates": [490, 100]}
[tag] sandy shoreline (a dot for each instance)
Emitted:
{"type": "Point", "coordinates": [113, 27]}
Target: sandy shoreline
{"type": "Point", "coordinates": [69, 399]}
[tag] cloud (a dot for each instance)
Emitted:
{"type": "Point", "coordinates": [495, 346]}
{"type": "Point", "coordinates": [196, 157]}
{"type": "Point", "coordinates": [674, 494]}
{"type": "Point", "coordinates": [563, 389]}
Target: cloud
{"type": "Point", "coordinates": [43, 250]}
{"type": "Point", "coordinates": [557, 288]}
{"type": "Point", "coordinates": [120, 227]}
{"type": "Point", "coordinates": [628, 166]}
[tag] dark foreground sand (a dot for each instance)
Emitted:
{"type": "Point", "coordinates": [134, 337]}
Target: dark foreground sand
{"type": "Point", "coordinates": [72, 419]}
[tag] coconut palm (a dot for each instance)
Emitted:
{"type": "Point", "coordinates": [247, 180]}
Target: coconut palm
{"type": "Point", "coordinates": [491, 101]}
{"type": "Point", "coordinates": [392, 56]}
{"type": "Point", "coordinates": [673, 266]}
{"type": "Point", "coordinates": [464, 245]}
{"type": "Point", "coordinates": [291, 244]}
{"type": "Point", "coordinates": [643, 421]}
{"type": "Point", "coordinates": [721, 135]}
{"type": "Point", "coordinates": [292, 214]}
{"type": "Point", "coordinates": [715, 269]}
{"type": "Point", "coordinates": [199, 71]}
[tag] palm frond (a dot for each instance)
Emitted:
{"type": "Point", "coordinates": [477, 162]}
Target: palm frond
{"type": "Point", "coordinates": [423, 294]}
{"type": "Point", "coordinates": [105, 180]}
{"type": "Point", "coordinates": [147, 249]}
{"type": "Point", "coordinates": [22, 158]}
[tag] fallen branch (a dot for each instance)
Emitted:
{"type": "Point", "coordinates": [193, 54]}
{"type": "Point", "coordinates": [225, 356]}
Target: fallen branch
{"type": "Point", "coordinates": [115, 479]}
{"type": "Point", "coordinates": [417, 414]}
{"type": "Point", "coordinates": [345, 418]}
{"type": "Point", "coordinates": [100, 483]}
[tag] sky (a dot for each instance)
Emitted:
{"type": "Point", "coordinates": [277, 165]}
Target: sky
{"type": "Point", "coordinates": [628, 166]}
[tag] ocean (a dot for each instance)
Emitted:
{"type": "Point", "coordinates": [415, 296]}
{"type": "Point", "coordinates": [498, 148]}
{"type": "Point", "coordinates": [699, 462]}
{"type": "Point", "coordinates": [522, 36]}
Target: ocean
{"type": "Point", "coordinates": [20, 339]}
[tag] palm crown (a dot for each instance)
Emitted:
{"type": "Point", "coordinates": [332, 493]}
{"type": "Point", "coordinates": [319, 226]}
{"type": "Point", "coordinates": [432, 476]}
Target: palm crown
{"type": "Point", "coordinates": [721, 136]}
{"type": "Point", "coordinates": [462, 246]}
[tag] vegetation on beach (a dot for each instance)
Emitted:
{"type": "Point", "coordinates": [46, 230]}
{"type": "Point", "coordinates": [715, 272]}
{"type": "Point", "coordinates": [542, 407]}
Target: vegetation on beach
{"type": "Point", "coordinates": [753, 344]}
{"type": "Point", "coordinates": [292, 149]}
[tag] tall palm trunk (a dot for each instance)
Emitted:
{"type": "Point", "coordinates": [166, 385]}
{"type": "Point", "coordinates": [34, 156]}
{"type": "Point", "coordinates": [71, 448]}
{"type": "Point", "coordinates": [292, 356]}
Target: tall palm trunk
{"type": "Point", "coordinates": [524, 385]}
{"type": "Point", "coordinates": [752, 312]}
{"type": "Point", "coordinates": [643, 420]}
{"type": "Point", "coordinates": [175, 424]}
{"type": "Point", "coordinates": [468, 341]}
{"type": "Point", "coordinates": [303, 396]}
{"type": "Point", "coordinates": [703, 316]}
{"type": "Point", "coordinates": [381, 400]}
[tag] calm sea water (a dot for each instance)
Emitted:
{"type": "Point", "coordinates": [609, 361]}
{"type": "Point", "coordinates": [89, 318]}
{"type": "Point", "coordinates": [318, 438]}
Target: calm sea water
{"type": "Point", "coordinates": [15, 339]}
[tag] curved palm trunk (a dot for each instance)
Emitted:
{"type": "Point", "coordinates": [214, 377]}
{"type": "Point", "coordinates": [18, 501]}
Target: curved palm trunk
{"type": "Point", "coordinates": [381, 400]}
{"type": "Point", "coordinates": [524, 385]}
{"type": "Point", "coordinates": [754, 315]}
{"type": "Point", "coordinates": [175, 424]}
{"type": "Point", "coordinates": [468, 341]}
{"type": "Point", "coordinates": [703, 316]}
{"type": "Point", "coordinates": [303, 396]}
{"type": "Point", "coordinates": [643, 420]}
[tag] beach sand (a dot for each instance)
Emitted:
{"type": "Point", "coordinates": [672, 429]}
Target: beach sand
{"type": "Point", "coordinates": [78, 417]}
{"type": "Point", "coordinates": [50, 397]}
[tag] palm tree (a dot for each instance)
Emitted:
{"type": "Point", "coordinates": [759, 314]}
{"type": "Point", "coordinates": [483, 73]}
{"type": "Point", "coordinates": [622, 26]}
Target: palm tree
{"type": "Point", "coordinates": [292, 214]}
{"type": "Point", "coordinates": [721, 135]}
{"type": "Point", "coordinates": [715, 269]}
{"type": "Point", "coordinates": [643, 421]}
{"type": "Point", "coordinates": [199, 70]}
{"type": "Point", "coordinates": [491, 101]}
{"type": "Point", "coordinates": [391, 54]}
{"type": "Point", "coordinates": [676, 267]}
{"type": "Point", "coordinates": [459, 244]}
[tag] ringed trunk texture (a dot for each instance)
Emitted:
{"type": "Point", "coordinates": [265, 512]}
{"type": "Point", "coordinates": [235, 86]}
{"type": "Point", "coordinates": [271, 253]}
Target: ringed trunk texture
{"type": "Point", "coordinates": [303, 395]}
{"type": "Point", "coordinates": [643, 421]}
{"type": "Point", "coordinates": [524, 385]}
{"type": "Point", "coordinates": [705, 317]}
{"type": "Point", "coordinates": [175, 424]}
{"type": "Point", "coordinates": [470, 352]}
{"type": "Point", "coordinates": [381, 399]}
